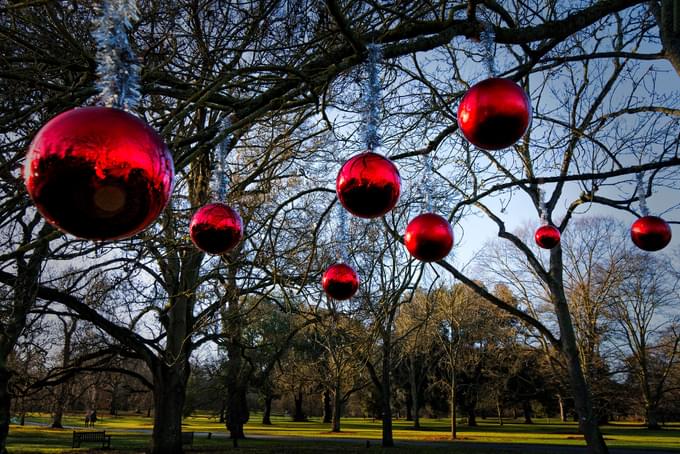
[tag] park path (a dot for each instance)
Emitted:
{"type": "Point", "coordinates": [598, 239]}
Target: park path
{"type": "Point", "coordinates": [444, 445]}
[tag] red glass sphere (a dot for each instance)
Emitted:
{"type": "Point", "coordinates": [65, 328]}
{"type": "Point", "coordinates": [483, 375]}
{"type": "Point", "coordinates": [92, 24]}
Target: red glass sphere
{"type": "Point", "coordinates": [99, 173]}
{"type": "Point", "coordinates": [216, 228]}
{"type": "Point", "coordinates": [650, 233]}
{"type": "Point", "coordinates": [429, 237]}
{"type": "Point", "coordinates": [368, 185]}
{"type": "Point", "coordinates": [547, 236]}
{"type": "Point", "coordinates": [340, 281]}
{"type": "Point", "coordinates": [494, 114]}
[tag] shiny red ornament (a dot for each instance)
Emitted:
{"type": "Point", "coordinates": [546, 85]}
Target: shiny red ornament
{"type": "Point", "coordinates": [216, 228]}
{"type": "Point", "coordinates": [99, 173]}
{"type": "Point", "coordinates": [429, 237]}
{"type": "Point", "coordinates": [650, 233]}
{"type": "Point", "coordinates": [368, 185]}
{"type": "Point", "coordinates": [340, 281]}
{"type": "Point", "coordinates": [494, 114]}
{"type": "Point", "coordinates": [547, 236]}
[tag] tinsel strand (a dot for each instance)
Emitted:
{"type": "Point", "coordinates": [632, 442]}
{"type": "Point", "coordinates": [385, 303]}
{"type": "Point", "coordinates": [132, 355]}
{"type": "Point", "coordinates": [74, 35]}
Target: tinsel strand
{"type": "Point", "coordinates": [642, 194]}
{"type": "Point", "coordinates": [117, 66]}
{"type": "Point", "coordinates": [372, 98]}
{"type": "Point", "coordinates": [487, 38]}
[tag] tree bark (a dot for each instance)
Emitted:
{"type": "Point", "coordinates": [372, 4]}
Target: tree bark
{"type": "Point", "coordinates": [386, 394]}
{"type": "Point", "coordinates": [526, 408]}
{"type": "Point", "coordinates": [453, 404]}
{"type": "Point", "coordinates": [409, 404]}
{"type": "Point", "coordinates": [327, 407]}
{"type": "Point", "coordinates": [168, 395]}
{"type": "Point", "coordinates": [337, 409]}
{"type": "Point", "coordinates": [651, 416]}
{"type": "Point", "coordinates": [4, 407]}
{"type": "Point", "coordinates": [582, 398]}
{"type": "Point", "coordinates": [299, 414]}
{"type": "Point", "coordinates": [471, 416]}
{"type": "Point", "coordinates": [267, 414]}
{"type": "Point", "coordinates": [563, 413]}
{"type": "Point", "coordinates": [499, 411]}
{"type": "Point", "coordinates": [414, 391]}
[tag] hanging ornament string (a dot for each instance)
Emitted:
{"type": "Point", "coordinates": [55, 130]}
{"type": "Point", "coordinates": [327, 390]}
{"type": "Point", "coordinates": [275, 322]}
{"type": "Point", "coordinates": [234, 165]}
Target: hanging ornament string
{"type": "Point", "coordinates": [343, 237]}
{"type": "Point", "coordinates": [487, 38]}
{"type": "Point", "coordinates": [642, 194]}
{"type": "Point", "coordinates": [221, 174]}
{"type": "Point", "coordinates": [427, 182]}
{"type": "Point", "coordinates": [542, 207]}
{"type": "Point", "coordinates": [117, 66]}
{"type": "Point", "coordinates": [372, 99]}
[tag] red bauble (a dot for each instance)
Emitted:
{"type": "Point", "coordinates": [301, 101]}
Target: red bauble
{"type": "Point", "coordinates": [99, 173]}
{"type": "Point", "coordinates": [216, 228]}
{"type": "Point", "coordinates": [494, 114]}
{"type": "Point", "coordinates": [547, 236]}
{"type": "Point", "coordinates": [340, 281]}
{"type": "Point", "coordinates": [368, 185]}
{"type": "Point", "coordinates": [650, 233]}
{"type": "Point", "coordinates": [429, 237]}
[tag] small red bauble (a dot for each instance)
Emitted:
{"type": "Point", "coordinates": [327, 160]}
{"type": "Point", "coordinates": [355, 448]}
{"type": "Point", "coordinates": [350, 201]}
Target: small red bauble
{"type": "Point", "coordinates": [368, 185]}
{"type": "Point", "coordinates": [650, 233]}
{"type": "Point", "coordinates": [494, 114]}
{"type": "Point", "coordinates": [216, 228]}
{"type": "Point", "coordinates": [340, 281]}
{"type": "Point", "coordinates": [99, 173]}
{"type": "Point", "coordinates": [547, 236]}
{"type": "Point", "coordinates": [429, 237]}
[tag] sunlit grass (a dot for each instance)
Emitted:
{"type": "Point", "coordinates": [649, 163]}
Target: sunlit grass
{"type": "Point", "coordinates": [131, 432]}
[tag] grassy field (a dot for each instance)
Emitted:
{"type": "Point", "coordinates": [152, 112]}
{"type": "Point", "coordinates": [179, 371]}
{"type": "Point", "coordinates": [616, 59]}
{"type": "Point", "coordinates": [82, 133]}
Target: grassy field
{"type": "Point", "coordinates": [132, 433]}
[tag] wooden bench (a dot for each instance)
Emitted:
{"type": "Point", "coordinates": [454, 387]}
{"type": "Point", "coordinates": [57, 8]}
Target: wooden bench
{"type": "Point", "coordinates": [187, 438]}
{"type": "Point", "coordinates": [91, 437]}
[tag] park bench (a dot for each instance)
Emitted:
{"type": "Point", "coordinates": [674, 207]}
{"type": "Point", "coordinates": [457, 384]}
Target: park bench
{"type": "Point", "coordinates": [187, 438]}
{"type": "Point", "coordinates": [91, 437]}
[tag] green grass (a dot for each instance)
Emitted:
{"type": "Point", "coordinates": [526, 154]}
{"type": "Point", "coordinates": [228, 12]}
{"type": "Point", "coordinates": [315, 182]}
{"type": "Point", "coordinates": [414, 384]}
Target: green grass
{"type": "Point", "coordinates": [300, 436]}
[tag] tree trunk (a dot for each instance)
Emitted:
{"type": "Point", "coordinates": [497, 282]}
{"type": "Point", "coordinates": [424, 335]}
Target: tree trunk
{"type": "Point", "coordinates": [409, 404]}
{"type": "Point", "coordinates": [266, 416]}
{"type": "Point", "coordinates": [471, 416]}
{"type": "Point", "coordinates": [414, 391]}
{"type": "Point", "coordinates": [453, 404]}
{"type": "Point", "coordinates": [499, 412]}
{"type": "Point", "coordinates": [168, 396]}
{"type": "Point", "coordinates": [337, 409]}
{"type": "Point", "coordinates": [651, 416]}
{"type": "Point", "coordinates": [386, 395]}
{"type": "Point", "coordinates": [299, 414]}
{"type": "Point", "coordinates": [237, 413]}
{"type": "Point", "coordinates": [526, 408]}
{"type": "Point", "coordinates": [563, 414]}
{"type": "Point", "coordinates": [223, 410]}
{"type": "Point", "coordinates": [327, 407]}
{"type": "Point", "coordinates": [57, 417]}
{"type": "Point", "coordinates": [582, 398]}
{"type": "Point", "coordinates": [4, 407]}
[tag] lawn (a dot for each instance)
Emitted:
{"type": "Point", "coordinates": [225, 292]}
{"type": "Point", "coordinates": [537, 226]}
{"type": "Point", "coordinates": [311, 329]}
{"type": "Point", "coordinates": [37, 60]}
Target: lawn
{"type": "Point", "coordinates": [132, 433]}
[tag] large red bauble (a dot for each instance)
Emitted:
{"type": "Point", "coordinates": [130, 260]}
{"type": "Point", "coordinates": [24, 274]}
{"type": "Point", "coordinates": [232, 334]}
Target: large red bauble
{"type": "Point", "coordinates": [547, 236]}
{"type": "Point", "coordinates": [494, 114]}
{"type": "Point", "coordinates": [99, 173]}
{"type": "Point", "coordinates": [429, 237]}
{"type": "Point", "coordinates": [650, 233]}
{"type": "Point", "coordinates": [216, 228]}
{"type": "Point", "coordinates": [340, 281]}
{"type": "Point", "coordinates": [368, 185]}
